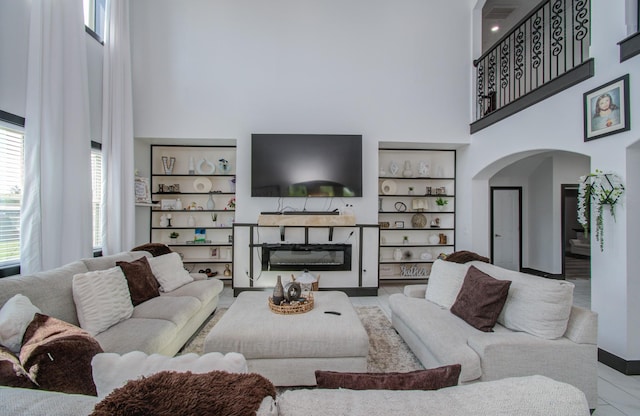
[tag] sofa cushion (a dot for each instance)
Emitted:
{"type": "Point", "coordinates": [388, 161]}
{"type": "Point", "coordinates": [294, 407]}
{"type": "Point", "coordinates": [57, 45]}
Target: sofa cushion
{"type": "Point", "coordinates": [102, 299]}
{"type": "Point", "coordinates": [142, 284]}
{"type": "Point", "coordinates": [111, 370]}
{"type": "Point", "coordinates": [15, 316]}
{"type": "Point", "coordinates": [50, 290]}
{"type": "Point", "coordinates": [31, 402]}
{"type": "Point", "coordinates": [204, 290]}
{"type": "Point", "coordinates": [107, 262]}
{"type": "Point", "coordinates": [481, 299]}
{"type": "Point", "coordinates": [174, 393]}
{"type": "Point", "coordinates": [178, 309]}
{"type": "Point", "coordinates": [431, 379]}
{"type": "Point", "coordinates": [445, 281]}
{"type": "Point", "coordinates": [154, 335]}
{"type": "Point", "coordinates": [12, 373]}
{"type": "Point", "coordinates": [169, 271]}
{"type": "Point", "coordinates": [59, 355]}
{"type": "Point", "coordinates": [444, 334]}
{"type": "Point", "coordinates": [535, 305]}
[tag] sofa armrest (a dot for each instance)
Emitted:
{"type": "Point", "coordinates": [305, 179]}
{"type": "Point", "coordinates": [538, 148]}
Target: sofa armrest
{"type": "Point", "coordinates": [415, 291]}
{"type": "Point", "coordinates": [582, 327]}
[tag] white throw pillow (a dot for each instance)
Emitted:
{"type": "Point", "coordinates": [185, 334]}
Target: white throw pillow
{"type": "Point", "coordinates": [111, 370]}
{"type": "Point", "coordinates": [15, 316]}
{"type": "Point", "coordinates": [169, 271]}
{"type": "Point", "coordinates": [102, 299]}
{"type": "Point", "coordinates": [535, 305]}
{"type": "Point", "coordinates": [445, 281]}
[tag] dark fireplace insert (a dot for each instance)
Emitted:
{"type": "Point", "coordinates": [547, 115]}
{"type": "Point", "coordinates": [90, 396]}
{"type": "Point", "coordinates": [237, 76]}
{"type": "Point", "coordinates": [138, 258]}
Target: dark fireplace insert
{"type": "Point", "coordinates": [328, 257]}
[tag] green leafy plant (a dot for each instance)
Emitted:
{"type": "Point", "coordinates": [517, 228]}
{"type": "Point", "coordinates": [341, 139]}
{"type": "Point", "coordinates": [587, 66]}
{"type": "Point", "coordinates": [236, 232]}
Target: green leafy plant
{"type": "Point", "coordinates": [441, 201]}
{"type": "Point", "coordinates": [174, 235]}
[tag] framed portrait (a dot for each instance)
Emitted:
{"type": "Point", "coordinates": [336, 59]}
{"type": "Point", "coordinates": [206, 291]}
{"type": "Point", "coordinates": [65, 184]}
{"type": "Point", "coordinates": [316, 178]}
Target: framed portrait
{"type": "Point", "coordinates": [606, 109]}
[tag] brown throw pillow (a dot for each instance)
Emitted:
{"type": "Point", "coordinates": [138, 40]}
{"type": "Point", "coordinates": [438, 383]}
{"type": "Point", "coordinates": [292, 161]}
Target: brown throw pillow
{"type": "Point", "coordinates": [481, 299]}
{"type": "Point", "coordinates": [12, 373]}
{"type": "Point", "coordinates": [173, 393]}
{"type": "Point", "coordinates": [59, 355]}
{"type": "Point", "coordinates": [156, 249]}
{"type": "Point", "coordinates": [464, 256]}
{"type": "Point", "coordinates": [142, 284]}
{"type": "Point", "coordinates": [432, 379]}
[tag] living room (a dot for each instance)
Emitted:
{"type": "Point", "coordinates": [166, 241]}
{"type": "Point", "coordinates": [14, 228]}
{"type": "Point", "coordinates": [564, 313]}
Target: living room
{"type": "Point", "coordinates": [401, 75]}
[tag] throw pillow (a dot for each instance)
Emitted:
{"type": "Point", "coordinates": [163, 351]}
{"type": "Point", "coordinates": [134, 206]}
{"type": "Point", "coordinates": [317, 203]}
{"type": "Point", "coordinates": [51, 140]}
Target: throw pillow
{"type": "Point", "coordinates": [445, 281]}
{"type": "Point", "coordinates": [464, 256]}
{"type": "Point", "coordinates": [15, 316]}
{"type": "Point", "coordinates": [481, 299]}
{"type": "Point", "coordinates": [102, 299]}
{"type": "Point", "coordinates": [111, 370]}
{"type": "Point", "coordinates": [142, 284]}
{"type": "Point", "coordinates": [431, 379]}
{"type": "Point", "coordinates": [173, 393]}
{"type": "Point", "coordinates": [58, 355]}
{"type": "Point", "coordinates": [169, 271]}
{"type": "Point", "coordinates": [12, 373]}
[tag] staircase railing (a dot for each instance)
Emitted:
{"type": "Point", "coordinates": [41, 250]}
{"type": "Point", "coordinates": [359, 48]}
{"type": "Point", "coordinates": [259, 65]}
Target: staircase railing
{"type": "Point", "coordinates": [548, 42]}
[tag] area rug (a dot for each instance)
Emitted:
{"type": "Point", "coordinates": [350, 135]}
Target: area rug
{"type": "Point", "coordinates": [387, 351]}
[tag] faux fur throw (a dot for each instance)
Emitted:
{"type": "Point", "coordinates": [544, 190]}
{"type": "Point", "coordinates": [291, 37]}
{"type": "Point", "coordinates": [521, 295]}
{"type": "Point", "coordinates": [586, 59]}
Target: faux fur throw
{"type": "Point", "coordinates": [173, 393]}
{"type": "Point", "coordinates": [464, 256]}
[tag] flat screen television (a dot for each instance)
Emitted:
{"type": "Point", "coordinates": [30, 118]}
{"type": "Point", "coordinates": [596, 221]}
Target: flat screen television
{"type": "Point", "coordinates": [306, 165]}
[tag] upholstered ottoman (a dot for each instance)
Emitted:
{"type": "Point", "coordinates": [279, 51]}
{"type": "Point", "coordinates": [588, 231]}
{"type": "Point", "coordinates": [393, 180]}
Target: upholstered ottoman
{"type": "Point", "coordinates": [287, 349]}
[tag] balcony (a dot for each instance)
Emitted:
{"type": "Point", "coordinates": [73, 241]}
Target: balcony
{"type": "Point", "coordinates": [545, 53]}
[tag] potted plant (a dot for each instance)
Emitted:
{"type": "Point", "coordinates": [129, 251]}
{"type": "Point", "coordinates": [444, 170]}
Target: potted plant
{"type": "Point", "coordinates": [441, 203]}
{"type": "Point", "coordinates": [214, 218]}
{"type": "Point", "coordinates": [174, 237]}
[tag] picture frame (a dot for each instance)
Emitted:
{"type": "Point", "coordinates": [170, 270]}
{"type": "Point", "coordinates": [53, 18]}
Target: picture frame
{"type": "Point", "coordinates": [215, 253]}
{"type": "Point", "coordinates": [399, 224]}
{"type": "Point", "coordinates": [606, 109]}
{"type": "Point", "coordinates": [143, 190]}
{"type": "Point", "coordinates": [168, 204]}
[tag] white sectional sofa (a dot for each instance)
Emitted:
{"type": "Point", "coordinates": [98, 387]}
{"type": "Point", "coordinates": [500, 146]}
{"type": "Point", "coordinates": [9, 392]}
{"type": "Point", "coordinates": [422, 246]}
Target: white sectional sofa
{"type": "Point", "coordinates": [160, 325]}
{"type": "Point", "coordinates": [530, 396]}
{"type": "Point", "coordinates": [539, 331]}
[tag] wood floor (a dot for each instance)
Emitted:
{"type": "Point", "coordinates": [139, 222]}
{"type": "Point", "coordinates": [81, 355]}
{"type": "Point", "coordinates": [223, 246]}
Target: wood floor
{"type": "Point", "coordinates": [577, 267]}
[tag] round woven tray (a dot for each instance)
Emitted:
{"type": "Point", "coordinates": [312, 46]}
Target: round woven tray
{"type": "Point", "coordinates": [288, 309]}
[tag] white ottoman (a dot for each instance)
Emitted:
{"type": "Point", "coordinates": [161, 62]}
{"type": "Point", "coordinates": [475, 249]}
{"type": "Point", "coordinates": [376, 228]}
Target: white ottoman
{"type": "Point", "coordinates": [287, 349]}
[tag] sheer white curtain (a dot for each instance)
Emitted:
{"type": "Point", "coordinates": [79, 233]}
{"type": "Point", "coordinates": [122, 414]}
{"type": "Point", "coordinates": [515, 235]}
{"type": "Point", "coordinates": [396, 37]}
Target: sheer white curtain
{"type": "Point", "coordinates": [56, 206]}
{"type": "Point", "coordinates": [117, 133]}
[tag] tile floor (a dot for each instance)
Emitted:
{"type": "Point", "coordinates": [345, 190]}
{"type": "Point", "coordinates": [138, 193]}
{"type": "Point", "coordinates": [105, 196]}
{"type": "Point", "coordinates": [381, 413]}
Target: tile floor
{"type": "Point", "coordinates": [618, 395]}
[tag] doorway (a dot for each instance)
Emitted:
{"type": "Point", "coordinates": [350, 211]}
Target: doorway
{"type": "Point", "coordinates": [576, 245]}
{"type": "Point", "coordinates": [506, 227]}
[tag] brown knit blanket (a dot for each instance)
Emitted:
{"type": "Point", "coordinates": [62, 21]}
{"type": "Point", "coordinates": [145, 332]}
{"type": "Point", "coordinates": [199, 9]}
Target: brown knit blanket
{"type": "Point", "coordinates": [173, 393]}
{"type": "Point", "coordinates": [464, 256]}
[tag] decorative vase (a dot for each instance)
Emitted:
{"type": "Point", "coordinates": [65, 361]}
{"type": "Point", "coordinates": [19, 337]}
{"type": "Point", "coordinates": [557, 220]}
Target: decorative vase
{"type": "Point", "coordinates": [192, 166]}
{"type": "Point", "coordinates": [210, 204]}
{"type": "Point", "coordinates": [191, 221]}
{"type": "Point", "coordinates": [397, 254]}
{"type": "Point", "coordinates": [418, 221]}
{"type": "Point", "coordinates": [407, 172]}
{"type": "Point", "coordinates": [278, 292]}
{"type": "Point", "coordinates": [227, 271]}
{"type": "Point", "coordinates": [178, 205]}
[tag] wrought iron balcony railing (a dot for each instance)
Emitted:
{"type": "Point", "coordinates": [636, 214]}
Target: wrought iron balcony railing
{"type": "Point", "coordinates": [548, 43]}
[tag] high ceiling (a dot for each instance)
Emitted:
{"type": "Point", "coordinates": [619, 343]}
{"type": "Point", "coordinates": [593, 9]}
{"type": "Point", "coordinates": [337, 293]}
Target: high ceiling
{"type": "Point", "coordinates": [504, 14]}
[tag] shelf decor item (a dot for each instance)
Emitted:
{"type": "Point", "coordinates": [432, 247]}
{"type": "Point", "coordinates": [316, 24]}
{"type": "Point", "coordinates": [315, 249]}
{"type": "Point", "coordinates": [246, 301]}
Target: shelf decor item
{"type": "Point", "coordinates": [224, 166]}
{"type": "Point", "coordinates": [292, 308]}
{"type": "Point", "coordinates": [388, 187]}
{"type": "Point", "coordinates": [211, 205]}
{"type": "Point", "coordinates": [192, 166]}
{"type": "Point", "coordinates": [204, 167]}
{"type": "Point", "coordinates": [142, 189]}
{"type": "Point", "coordinates": [408, 171]}
{"type": "Point", "coordinates": [202, 185]}
{"type": "Point", "coordinates": [167, 164]}
{"type": "Point", "coordinates": [278, 292]}
{"type": "Point", "coordinates": [418, 220]}
{"type": "Point", "coordinates": [442, 203]}
{"type": "Point", "coordinates": [599, 189]}
{"type": "Point", "coordinates": [393, 168]}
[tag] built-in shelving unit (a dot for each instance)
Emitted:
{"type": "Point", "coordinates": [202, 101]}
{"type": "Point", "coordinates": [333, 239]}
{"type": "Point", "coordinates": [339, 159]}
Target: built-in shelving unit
{"type": "Point", "coordinates": [414, 229]}
{"type": "Point", "coordinates": [193, 194]}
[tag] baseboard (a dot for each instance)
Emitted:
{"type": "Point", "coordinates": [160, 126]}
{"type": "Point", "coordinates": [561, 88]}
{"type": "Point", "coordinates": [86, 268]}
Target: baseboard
{"type": "Point", "coordinates": [542, 274]}
{"type": "Point", "coordinates": [629, 368]}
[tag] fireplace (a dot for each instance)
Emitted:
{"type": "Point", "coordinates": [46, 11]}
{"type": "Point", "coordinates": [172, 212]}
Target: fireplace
{"type": "Point", "coordinates": [327, 257]}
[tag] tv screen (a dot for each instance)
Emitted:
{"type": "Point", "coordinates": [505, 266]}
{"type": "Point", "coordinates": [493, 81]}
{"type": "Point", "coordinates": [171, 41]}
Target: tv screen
{"type": "Point", "coordinates": [306, 165]}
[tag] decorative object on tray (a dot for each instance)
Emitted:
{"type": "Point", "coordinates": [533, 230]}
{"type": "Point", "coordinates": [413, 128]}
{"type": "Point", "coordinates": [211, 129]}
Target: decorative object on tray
{"type": "Point", "coordinates": [278, 292]}
{"type": "Point", "coordinates": [292, 291]}
{"type": "Point", "coordinates": [301, 305]}
{"type": "Point", "coordinates": [202, 185]}
{"type": "Point", "coordinates": [307, 280]}
{"type": "Point", "coordinates": [599, 189]}
{"type": "Point", "coordinates": [167, 164]}
{"type": "Point", "coordinates": [204, 167]}
{"type": "Point", "coordinates": [388, 187]}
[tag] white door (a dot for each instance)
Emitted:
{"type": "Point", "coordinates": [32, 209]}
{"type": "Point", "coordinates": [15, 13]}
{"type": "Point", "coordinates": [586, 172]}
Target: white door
{"type": "Point", "coordinates": [506, 228]}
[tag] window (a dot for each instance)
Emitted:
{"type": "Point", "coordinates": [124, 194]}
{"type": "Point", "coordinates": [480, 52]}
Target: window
{"type": "Point", "coordinates": [94, 17]}
{"type": "Point", "coordinates": [96, 194]}
{"type": "Point", "coordinates": [11, 185]}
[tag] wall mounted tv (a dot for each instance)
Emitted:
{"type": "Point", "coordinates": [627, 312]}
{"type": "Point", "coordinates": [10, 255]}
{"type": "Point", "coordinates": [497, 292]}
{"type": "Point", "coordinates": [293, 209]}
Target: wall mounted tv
{"type": "Point", "coordinates": [306, 165]}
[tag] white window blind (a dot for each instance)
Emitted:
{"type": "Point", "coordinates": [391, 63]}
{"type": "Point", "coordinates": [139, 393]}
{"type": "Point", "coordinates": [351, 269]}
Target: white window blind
{"type": "Point", "coordinates": [96, 199]}
{"type": "Point", "coordinates": [11, 185]}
